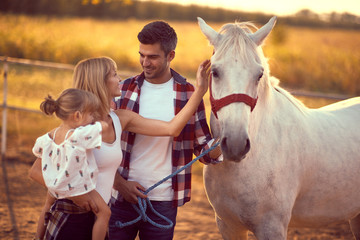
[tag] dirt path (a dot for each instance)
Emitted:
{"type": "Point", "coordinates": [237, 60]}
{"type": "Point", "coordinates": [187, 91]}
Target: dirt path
{"type": "Point", "coordinates": [20, 209]}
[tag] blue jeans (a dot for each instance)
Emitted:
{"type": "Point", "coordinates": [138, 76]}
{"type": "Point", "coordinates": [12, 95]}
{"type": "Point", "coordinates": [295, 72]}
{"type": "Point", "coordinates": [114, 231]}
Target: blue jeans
{"type": "Point", "coordinates": [124, 212]}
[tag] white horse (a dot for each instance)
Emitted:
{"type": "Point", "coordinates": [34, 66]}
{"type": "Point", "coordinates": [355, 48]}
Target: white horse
{"type": "Point", "coordinates": [285, 165]}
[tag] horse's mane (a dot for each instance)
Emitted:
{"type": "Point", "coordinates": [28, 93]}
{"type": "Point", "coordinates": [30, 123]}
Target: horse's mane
{"type": "Point", "coordinates": [297, 103]}
{"type": "Point", "coordinates": [234, 37]}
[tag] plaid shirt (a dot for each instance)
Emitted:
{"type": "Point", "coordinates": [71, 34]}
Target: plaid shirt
{"type": "Point", "coordinates": [194, 138]}
{"type": "Point", "coordinates": [56, 218]}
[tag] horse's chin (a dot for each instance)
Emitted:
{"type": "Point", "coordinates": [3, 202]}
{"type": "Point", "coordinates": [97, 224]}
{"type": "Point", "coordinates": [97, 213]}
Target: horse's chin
{"type": "Point", "coordinates": [235, 159]}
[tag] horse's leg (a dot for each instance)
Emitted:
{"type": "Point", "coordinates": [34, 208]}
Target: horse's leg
{"type": "Point", "coordinates": [231, 233]}
{"type": "Point", "coordinates": [272, 228]}
{"type": "Point", "coordinates": [355, 226]}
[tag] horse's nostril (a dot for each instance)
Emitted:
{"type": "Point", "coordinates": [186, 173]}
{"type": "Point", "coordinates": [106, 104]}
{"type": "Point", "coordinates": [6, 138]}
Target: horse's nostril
{"type": "Point", "coordinates": [223, 142]}
{"type": "Point", "coordinates": [247, 147]}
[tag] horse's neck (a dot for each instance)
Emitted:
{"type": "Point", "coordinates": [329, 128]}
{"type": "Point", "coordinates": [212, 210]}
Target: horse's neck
{"type": "Point", "coordinates": [276, 105]}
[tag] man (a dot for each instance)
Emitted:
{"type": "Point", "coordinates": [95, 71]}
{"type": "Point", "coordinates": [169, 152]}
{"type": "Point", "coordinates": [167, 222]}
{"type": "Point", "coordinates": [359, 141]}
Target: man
{"type": "Point", "coordinates": [159, 93]}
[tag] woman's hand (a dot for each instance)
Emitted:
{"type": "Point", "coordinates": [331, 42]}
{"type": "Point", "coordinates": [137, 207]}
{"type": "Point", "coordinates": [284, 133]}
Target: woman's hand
{"type": "Point", "coordinates": [202, 77]}
{"type": "Point", "coordinates": [85, 202]}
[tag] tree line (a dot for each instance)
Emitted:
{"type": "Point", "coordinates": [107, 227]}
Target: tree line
{"type": "Point", "coordinates": [125, 9]}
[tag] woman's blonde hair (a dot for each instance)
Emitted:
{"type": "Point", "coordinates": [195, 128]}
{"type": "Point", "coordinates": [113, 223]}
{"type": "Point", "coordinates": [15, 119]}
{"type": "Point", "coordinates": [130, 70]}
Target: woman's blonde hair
{"type": "Point", "coordinates": [70, 101]}
{"type": "Point", "coordinates": [90, 75]}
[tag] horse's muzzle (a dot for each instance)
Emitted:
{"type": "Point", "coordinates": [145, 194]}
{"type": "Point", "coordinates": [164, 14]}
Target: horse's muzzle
{"type": "Point", "coordinates": [235, 151]}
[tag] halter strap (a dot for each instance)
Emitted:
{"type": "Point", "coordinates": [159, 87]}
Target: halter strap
{"type": "Point", "coordinates": [217, 104]}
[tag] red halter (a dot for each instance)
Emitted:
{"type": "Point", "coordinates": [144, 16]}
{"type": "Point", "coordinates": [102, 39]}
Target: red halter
{"type": "Point", "coordinates": [217, 104]}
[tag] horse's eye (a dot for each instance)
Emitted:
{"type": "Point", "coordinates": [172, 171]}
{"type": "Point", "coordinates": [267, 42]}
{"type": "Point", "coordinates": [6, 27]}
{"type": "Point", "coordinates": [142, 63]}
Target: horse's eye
{"type": "Point", "coordinates": [260, 76]}
{"type": "Point", "coordinates": [215, 73]}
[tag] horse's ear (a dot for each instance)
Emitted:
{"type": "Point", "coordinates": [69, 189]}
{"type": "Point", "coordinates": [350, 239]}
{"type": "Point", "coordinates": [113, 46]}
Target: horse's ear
{"type": "Point", "coordinates": [210, 33]}
{"type": "Point", "coordinates": [259, 36]}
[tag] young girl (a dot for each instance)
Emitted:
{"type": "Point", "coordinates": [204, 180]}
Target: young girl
{"type": "Point", "coordinates": [68, 165]}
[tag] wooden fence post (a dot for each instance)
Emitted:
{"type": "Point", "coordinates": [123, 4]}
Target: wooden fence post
{"type": "Point", "coordinates": [4, 115]}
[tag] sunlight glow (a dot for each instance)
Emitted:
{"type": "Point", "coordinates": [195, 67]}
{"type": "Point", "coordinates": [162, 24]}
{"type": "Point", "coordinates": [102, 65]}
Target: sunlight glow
{"type": "Point", "coordinates": [279, 7]}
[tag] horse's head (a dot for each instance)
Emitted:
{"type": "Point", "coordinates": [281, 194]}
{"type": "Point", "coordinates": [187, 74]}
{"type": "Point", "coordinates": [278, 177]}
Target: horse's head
{"type": "Point", "coordinates": [238, 67]}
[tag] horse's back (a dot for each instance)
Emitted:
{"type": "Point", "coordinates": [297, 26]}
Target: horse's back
{"type": "Point", "coordinates": [351, 103]}
{"type": "Point", "coordinates": [335, 128]}
{"type": "Point", "coordinates": [344, 115]}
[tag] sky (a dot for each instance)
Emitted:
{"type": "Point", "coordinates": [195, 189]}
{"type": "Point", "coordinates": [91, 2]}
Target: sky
{"type": "Point", "coordinates": [280, 7]}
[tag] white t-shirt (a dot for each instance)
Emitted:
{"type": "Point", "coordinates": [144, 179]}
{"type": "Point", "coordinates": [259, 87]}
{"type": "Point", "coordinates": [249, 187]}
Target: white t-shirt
{"type": "Point", "coordinates": [108, 159]}
{"type": "Point", "coordinates": [151, 156]}
{"type": "Point", "coordinates": [69, 169]}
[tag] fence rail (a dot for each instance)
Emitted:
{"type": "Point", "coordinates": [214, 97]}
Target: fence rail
{"type": "Point", "coordinates": [36, 63]}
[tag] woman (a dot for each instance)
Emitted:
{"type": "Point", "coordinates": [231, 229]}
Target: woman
{"type": "Point", "coordinates": [98, 75]}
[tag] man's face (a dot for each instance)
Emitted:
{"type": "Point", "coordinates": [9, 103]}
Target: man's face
{"type": "Point", "coordinates": [155, 64]}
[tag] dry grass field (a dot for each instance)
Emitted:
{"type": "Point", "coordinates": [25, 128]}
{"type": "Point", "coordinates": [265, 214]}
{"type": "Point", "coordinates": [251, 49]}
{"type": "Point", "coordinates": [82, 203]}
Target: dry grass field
{"type": "Point", "coordinates": [324, 60]}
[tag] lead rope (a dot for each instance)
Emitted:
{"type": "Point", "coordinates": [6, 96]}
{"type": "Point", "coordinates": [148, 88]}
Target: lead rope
{"type": "Point", "coordinates": [141, 210]}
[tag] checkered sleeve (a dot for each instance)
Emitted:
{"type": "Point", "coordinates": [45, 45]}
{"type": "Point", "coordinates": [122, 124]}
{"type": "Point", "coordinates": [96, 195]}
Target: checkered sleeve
{"type": "Point", "coordinates": [203, 138]}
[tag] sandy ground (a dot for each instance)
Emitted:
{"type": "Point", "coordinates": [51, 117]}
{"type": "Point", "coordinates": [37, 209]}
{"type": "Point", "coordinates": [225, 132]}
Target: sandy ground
{"type": "Point", "coordinates": [21, 201]}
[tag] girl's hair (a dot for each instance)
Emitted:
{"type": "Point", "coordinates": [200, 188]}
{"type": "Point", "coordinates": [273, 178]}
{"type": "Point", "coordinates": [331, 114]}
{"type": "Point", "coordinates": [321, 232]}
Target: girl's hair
{"type": "Point", "coordinates": [70, 101]}
{"type": "Point", "coordinates": [90, 75]}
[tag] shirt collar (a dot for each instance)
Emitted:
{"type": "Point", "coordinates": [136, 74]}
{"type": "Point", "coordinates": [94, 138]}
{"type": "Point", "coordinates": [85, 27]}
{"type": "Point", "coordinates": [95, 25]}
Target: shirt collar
{"type": "Point", "coordinates": [177, 78]}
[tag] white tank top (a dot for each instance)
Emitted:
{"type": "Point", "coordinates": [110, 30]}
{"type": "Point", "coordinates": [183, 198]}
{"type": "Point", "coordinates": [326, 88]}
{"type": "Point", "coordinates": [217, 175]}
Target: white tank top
{"type": "Point", "coordinates": [151, 156]}
{"type": "Point", "coordinates": [108, 159]}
